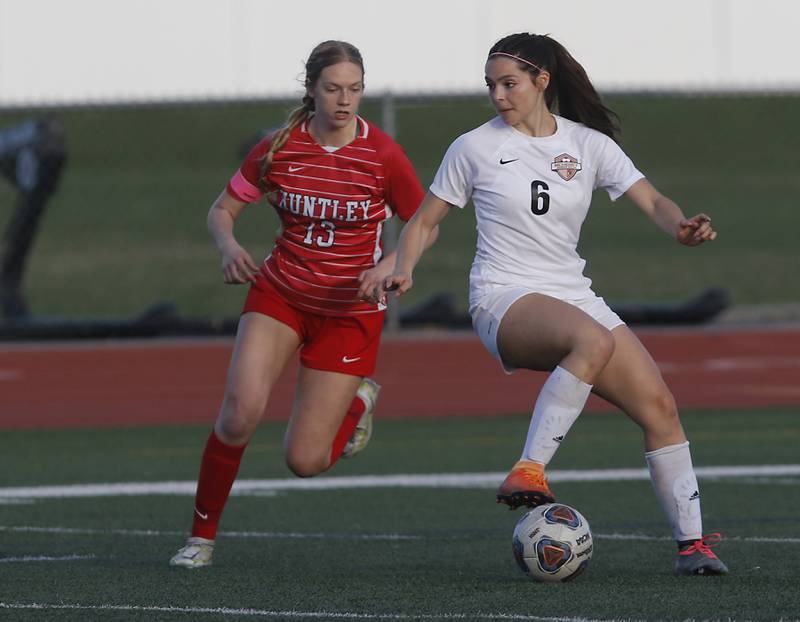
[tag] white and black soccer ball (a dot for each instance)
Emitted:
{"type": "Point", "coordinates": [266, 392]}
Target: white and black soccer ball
{"type": "Point", "coordinates": [552, 542]}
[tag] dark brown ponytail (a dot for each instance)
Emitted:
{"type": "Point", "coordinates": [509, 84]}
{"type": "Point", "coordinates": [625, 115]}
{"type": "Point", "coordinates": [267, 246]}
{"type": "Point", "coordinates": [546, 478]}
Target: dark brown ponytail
{"type": "Point", "coordinates": [570, 92]}
{"type": "Point", "coordinates": [325, 54]}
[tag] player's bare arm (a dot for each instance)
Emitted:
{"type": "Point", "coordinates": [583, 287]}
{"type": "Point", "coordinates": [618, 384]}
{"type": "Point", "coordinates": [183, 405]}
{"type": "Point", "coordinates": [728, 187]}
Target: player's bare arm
{"type": "Point", "coordinates": [669, 217]}
{"type": "Point", "coordinates": [372, 280]}
{"type": "Point", "coordinates": [237, 265]}
{"type": "Point", "coordinates": [417, 236]}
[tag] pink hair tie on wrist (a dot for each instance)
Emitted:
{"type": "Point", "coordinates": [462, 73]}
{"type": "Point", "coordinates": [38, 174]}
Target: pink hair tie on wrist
{"type": "Point", "coordinates": [519, 58]}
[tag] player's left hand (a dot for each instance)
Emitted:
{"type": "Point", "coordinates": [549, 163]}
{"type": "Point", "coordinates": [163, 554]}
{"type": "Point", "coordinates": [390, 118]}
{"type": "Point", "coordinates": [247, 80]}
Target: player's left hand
{"type": "Point", "coordinates": [371, 281]}
{"type": "Point", "coordinates": [695, 230]}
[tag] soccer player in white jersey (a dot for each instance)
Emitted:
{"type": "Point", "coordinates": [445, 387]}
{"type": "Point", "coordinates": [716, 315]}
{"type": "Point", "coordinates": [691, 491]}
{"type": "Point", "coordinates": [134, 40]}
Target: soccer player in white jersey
{"type": "Point", "coordinates": [530, 174]}
{"type": "Point", "coordinates": [333, 179]}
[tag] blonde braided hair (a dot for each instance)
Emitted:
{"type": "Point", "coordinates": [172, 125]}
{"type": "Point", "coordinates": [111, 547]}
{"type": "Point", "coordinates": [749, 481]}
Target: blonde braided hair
{"type": "Point", "coordinates": [325, 54]}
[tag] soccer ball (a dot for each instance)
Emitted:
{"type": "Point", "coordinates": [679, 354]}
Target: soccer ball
{"type": "Point", "coordinates": [552, 542]}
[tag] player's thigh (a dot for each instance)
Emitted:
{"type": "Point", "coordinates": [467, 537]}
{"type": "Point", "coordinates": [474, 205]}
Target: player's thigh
{"type": "Point", "coordinates": [538, 331]}
{"type": "Point", "coordinates": [632, 381]}
{"type": "Point", "coordinates": [263, 346]}
{"type": "Point", "coordinates": [322, 400]}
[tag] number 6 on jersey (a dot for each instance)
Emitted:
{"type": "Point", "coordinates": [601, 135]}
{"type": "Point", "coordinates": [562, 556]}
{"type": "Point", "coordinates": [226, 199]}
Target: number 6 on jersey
{"type": "Point", "coordinates": [537, 187]}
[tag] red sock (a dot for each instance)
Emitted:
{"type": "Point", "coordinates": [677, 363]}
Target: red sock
{"type": "Point", "coordinates": [347, 428]}
{"type": "Point", "coordinates": [217, 472]}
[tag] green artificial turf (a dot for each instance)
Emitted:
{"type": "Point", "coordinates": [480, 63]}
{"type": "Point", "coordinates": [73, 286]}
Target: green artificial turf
{"type": "Point", "coordinates": [401, 553]}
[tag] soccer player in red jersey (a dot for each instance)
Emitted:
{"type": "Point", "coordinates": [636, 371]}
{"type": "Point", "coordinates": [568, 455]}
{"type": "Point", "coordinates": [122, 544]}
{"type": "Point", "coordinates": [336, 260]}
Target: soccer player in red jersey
{"type": "Point", "coordinates": [333, 179]}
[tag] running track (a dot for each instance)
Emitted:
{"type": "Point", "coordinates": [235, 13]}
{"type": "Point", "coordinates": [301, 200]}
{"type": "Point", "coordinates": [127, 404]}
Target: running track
{"type": "Point", "coordinates": [423, 374]}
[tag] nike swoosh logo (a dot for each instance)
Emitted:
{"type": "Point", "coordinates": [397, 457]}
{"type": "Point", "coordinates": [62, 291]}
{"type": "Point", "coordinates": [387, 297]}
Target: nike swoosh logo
{"type": "Point", "coordinates": [502, 161]}
{"type": "Point", "coordinates": [347, 359]}
{"type": "Point", "coordinates": [200, 514]}
{"type": "Point", "coordinates": [292, 169]}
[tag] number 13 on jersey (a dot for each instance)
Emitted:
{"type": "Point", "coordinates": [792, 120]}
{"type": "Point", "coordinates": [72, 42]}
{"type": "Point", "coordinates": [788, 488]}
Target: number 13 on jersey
{"type": "Point", "coordinates": [325, 239]}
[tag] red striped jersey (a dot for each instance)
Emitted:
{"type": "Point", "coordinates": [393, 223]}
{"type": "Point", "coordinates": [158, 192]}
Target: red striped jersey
{"type": "Point", "coordinates": [332, 205]}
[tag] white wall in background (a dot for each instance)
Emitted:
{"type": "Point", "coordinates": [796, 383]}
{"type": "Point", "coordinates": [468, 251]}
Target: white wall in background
{"type": "Point", "coordinates": [76, 51]}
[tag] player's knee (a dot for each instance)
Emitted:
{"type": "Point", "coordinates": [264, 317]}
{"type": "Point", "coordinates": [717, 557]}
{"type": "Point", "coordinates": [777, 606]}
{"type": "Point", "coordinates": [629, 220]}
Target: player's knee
{"type": "Point", "coordinates": [663, 419]}
{"type": "Point", "coordinates": [304, 465]}
{"type": "Point", "coordinates": [597, 346]}
{"type": "Point", "coordinates": [605, 346]}
{"type": "Point", "coordinates": [233, 432]}
{"type": "Point", "coordinates": [238, 419]}
{"type": "Point", "coordinates": [663, 403]}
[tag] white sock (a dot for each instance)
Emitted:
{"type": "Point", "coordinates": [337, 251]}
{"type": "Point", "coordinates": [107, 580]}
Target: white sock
{"type": "Point", "coordinates": [560, 401]}
{"type": "Point", "coordinates": [675, 484]}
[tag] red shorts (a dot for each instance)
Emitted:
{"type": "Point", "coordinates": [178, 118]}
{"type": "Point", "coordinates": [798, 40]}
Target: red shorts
{"type": "Point", "coordinates": [346, 344]}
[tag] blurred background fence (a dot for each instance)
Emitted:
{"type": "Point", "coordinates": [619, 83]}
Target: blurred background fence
{"type": "Point", "coordinates": [125, 228]}
{"type": "Point", "coordinates": [136, 118]}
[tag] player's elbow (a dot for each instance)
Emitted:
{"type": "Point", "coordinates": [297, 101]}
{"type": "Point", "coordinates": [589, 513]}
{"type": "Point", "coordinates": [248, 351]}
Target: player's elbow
{"type": "Point", "coordinates": [433, 235]}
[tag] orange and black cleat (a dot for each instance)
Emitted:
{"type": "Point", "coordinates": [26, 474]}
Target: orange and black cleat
{"type": "Point", "coordinates": [525, 485]}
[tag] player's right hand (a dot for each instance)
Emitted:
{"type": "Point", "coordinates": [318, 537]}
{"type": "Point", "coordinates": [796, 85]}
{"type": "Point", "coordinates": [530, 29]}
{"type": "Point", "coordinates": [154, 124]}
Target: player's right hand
{"type": "Point", "coordinates": [399, 283]}
{"type": "Point", "coordinates": [237, 266]}
{"type": "Point", "coordinates": [695, 230]}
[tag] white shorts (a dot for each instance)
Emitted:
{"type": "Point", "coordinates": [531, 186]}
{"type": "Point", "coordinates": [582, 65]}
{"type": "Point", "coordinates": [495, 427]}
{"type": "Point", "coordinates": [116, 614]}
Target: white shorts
{"type": "Point", "coordinates": [488, 312]}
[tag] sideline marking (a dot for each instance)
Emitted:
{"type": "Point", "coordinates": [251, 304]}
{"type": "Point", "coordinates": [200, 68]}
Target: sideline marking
{"type": "Point", "coordinates": [267, 613]}
{"type": "Point", "coordinates": [731, 363]}
{"type": "Point", "coordinates": [423, 480]}
{"type": "Point", "coordinates": [336, 536]}
{"type": "Point", "coordinates": [45, 558]}
{"type": "Point", "coordinates": [626, 536]}
{"type": "Point", "coordinates": [283, 535]}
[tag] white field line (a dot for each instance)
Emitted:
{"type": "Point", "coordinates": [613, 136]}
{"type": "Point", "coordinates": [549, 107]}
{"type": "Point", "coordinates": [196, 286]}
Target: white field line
{"type": "Point", "coordinates": [327, 615]}
{"type": "Point", "coordinates": [274, 535]}
{"type": "Point", "coordinates": [283, 535]}
{"type": "Point", "coordinates": [45, 558]}
{"type": "Point", "coordinates": [633, 536]}
{"type": "Point", "coordinates": [430, 480]}
{"type": "Point", "coordinates": [732, 363]}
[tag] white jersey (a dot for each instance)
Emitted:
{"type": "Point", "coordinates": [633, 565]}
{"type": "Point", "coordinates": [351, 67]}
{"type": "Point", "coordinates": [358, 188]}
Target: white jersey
{"type": "Point", "coordinates": [531, 196]}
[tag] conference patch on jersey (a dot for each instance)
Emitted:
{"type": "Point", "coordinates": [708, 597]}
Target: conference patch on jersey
{"type": "Point", "coordinates": [566, 166]}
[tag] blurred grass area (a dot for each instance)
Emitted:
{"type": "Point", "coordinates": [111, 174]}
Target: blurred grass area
{"type": "Point", "coordinates": [440, 445]}
{"type": "Point", "coordinates": [127, 226]}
